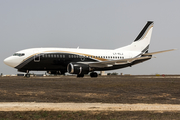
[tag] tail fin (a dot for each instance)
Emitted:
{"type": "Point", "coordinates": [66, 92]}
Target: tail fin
{"type": "Point", "coordinates": [141, 43]}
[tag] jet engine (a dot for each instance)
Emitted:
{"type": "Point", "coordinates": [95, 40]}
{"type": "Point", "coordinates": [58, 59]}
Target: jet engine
{"type": "Point", "coordinates": [78, 68]}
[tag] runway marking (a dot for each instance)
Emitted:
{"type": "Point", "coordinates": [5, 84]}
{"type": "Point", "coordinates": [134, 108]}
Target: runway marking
{"type": "Point", "coordinates": [33, 106]}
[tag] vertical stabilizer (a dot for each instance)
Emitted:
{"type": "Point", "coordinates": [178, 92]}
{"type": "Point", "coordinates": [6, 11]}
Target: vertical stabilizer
{"type": "Point", "coordinates": [144, 31]}
{"type": "Point", "coordinates": [141, 43]}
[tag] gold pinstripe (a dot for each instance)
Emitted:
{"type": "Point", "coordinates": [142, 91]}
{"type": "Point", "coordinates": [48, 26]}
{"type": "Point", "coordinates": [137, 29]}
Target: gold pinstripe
{"type": "Point", "coordinates": [147, 32]}
{"type": "Point", "coordinates": [29, 57]}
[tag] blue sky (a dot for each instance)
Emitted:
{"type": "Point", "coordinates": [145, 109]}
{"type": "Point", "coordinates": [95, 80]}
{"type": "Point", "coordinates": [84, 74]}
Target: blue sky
{"type": "Point", "coordinates": [91, 24]}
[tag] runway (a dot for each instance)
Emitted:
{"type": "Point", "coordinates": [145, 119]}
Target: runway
{"type": "Point", "coordinates": [32, 106]}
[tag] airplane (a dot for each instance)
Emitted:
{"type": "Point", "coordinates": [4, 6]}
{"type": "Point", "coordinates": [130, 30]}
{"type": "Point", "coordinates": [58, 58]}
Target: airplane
{"type": "Point", "coordinates": [84, 61]}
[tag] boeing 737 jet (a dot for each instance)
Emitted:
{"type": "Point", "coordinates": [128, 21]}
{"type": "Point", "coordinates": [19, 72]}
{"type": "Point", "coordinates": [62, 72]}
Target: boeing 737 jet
{"type": "Point", "coordinates": [83, 61]}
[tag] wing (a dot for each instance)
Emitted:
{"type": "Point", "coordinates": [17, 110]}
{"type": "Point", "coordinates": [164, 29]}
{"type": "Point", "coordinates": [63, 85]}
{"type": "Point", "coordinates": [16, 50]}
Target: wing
{"type": "Point", "coordinates": [117, 62]}
{"type": "Point", "coordinates": [125, 61]}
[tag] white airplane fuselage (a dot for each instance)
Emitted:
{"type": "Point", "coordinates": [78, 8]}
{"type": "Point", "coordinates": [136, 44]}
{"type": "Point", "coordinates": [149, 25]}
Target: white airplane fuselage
{"type": "Point", "coordinates": [38, 56]}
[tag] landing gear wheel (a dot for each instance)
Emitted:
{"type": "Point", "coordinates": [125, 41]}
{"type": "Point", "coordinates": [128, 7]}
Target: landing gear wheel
{"type": "Point", "coordinates": [80, 75]}
{"type": "Point", "coordinates": [27, 75]}
{"type": "Point", "coordinates": [93, 74]}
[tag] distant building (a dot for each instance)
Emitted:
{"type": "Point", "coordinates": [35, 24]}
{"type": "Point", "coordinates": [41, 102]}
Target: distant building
{"type": "Point", "coordinates": [103, 73]}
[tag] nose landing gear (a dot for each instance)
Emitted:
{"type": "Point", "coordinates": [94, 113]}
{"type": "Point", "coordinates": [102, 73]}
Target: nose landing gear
{"type": "Point", "coordinates": [27, 75]}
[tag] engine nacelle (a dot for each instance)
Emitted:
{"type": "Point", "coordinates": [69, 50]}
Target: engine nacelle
{"type": "Point", "coordinates": [78, 68]}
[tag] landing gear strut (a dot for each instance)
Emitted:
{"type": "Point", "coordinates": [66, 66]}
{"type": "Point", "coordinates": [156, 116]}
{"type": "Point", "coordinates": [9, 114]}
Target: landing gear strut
{"type": "Point", "coordinates": [93, 74]}
{"type": "Point", "coordinates": [27, 75]}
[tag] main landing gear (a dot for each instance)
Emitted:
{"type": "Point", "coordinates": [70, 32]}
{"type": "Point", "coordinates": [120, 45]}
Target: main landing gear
{"type": "Point", "coordinates": [93, 74]}
{"type": "Point", "coordinates": [80, 75]}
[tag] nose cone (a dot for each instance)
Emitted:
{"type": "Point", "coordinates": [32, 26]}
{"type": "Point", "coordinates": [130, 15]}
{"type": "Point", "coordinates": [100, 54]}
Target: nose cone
{"type": "Point", "coordinates": [10, 61]}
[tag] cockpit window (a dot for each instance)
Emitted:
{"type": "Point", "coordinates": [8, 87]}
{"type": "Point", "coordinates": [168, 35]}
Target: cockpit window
{"type": "Point", "coordinates": [18, 54]}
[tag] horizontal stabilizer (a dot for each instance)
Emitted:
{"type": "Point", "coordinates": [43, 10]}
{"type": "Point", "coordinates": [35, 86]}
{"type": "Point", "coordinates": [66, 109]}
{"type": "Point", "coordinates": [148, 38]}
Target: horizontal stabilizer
{"type": "Point", "coordinates": [158, 52]}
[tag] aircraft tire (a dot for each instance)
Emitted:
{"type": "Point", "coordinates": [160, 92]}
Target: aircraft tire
{"type": "Point", "coordinates": [80, 75]}
{"type": "Point", "coordinates": [93, 74]}
{"type": "Point", "coordinates": [27, 75]}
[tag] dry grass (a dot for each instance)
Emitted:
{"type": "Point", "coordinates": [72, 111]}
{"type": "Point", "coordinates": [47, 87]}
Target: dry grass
{"type": "Point", "coordinates": [62, 115]}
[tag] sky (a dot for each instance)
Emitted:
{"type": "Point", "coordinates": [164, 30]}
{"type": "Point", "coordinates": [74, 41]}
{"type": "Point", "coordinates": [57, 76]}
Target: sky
{"type": "Point", "coordinates": [92, 24]}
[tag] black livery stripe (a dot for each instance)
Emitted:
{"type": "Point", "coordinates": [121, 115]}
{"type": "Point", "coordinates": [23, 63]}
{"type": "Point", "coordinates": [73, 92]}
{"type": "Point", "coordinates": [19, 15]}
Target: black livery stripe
{"type": "Point", "coordinates": [22, 64]}
{"type": "Point", "coordinates": [31, 58]}
{"type": "Point", "coordinates": [144, 30]}
{"type": "Point", "coordinates": [52, 62]}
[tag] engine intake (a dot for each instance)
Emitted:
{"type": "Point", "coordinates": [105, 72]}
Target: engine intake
{"type": "Point", "coordinates": [78, 68]}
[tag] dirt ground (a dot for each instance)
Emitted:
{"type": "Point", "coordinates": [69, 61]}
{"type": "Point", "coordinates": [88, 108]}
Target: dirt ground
{"type": "Point", "coordinates": [124, 90]}
{"type": "Point", "coordinates": [102, 98]}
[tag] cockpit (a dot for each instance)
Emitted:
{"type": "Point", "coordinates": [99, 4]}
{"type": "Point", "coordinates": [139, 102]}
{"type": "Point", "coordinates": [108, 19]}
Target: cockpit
{"type": "Point", "coordinates": [18, 54]}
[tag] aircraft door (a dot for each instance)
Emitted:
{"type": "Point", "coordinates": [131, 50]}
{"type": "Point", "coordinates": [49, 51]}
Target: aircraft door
{"type": "Point", "coordinates": [36, 56]}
